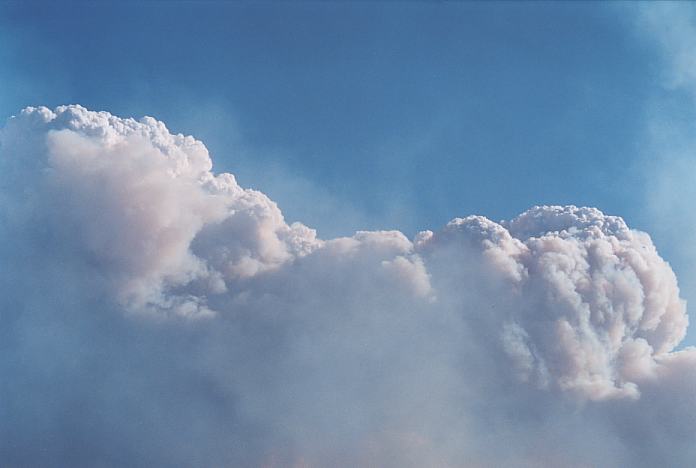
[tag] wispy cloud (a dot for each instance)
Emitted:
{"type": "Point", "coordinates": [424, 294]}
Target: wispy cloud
{"type": "Point", "coordinates": [668, 163]}
{"type": "Point", "coordinates": [672, 25]}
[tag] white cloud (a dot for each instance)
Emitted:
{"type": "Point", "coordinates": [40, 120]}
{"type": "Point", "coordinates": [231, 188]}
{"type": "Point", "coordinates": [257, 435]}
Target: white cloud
{"type": "Point", "coordinates": [155, 313]}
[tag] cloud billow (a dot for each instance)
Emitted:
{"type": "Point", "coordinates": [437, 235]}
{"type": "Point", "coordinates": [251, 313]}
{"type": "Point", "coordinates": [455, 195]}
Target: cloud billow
{"type": "Point", "coordinates": [157, 313]}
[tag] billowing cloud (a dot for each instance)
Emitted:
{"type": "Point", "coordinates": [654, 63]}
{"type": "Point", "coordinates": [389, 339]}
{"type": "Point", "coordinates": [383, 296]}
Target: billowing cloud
{"type": "Point", "coordinates": [156, 313]}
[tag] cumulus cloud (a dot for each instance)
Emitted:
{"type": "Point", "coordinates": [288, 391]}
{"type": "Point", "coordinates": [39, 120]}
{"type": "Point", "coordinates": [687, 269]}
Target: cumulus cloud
{"type": "Point", "coordinates": [156, 313]}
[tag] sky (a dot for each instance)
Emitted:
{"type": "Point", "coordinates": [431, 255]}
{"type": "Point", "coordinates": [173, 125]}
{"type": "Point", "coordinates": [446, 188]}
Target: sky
{"type": "Point", "coordinates": [347, 233]}
{"type": "Point", "coordinates": [403, 114]}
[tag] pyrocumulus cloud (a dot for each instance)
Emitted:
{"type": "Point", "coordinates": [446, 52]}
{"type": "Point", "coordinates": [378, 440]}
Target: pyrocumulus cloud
{"type": "Point", "coordinates": [155, 313]}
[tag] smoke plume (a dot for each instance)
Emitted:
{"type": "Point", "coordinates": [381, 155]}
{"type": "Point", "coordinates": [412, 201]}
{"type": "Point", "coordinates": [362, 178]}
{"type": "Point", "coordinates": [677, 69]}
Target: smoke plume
{"type": "Point", "coordinates": [155, 313]}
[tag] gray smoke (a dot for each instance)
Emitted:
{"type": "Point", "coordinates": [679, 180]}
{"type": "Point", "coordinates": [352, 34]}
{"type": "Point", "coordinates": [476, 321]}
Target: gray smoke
{"type": "Point", "coordinates": [157, 314]}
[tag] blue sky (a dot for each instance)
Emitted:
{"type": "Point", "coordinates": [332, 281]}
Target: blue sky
{"type": "Point", "coordinates": [406, 114]}
{"type": "Point", "coordinates": [369, 115]}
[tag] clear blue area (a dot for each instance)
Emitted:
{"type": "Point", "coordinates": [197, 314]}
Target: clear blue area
{"type": "Point", "coordinates": [363, 115]}
{"type": "Point", "coordinates": [408, 113]}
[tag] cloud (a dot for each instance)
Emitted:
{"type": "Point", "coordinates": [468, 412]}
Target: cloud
{"type": "Point", "coordinates": [671, 26]}
{"type": "Point", "coordinates": [156, 313]}
{"type": "Point", "coordinates": [667, 166]}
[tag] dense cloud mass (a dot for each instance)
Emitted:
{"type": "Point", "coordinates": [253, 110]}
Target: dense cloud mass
{"type": "Point", "coordinates": [157, 314]}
